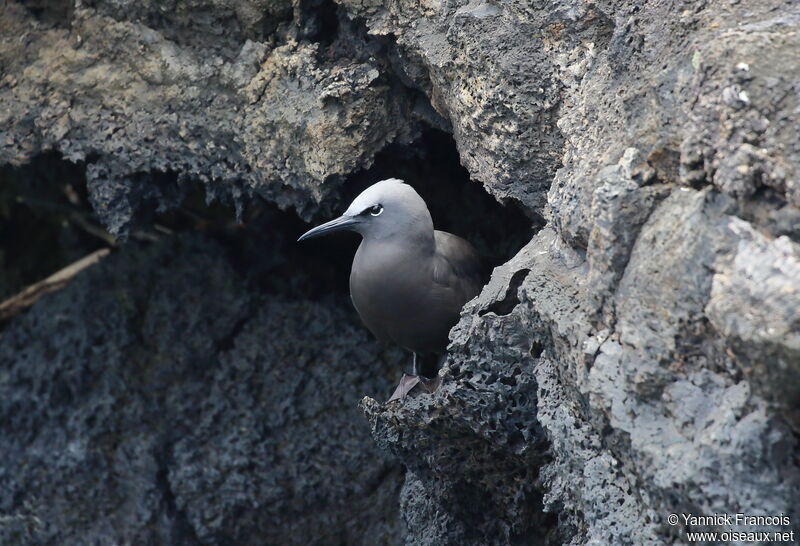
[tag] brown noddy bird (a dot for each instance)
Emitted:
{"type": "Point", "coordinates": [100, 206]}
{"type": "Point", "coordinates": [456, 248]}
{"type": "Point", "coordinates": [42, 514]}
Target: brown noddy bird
{"type": "Point", "coordinates": [408, 281]}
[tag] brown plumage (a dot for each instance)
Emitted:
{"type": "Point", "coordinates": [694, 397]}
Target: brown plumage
{"type": "Point", "coordinates": [408, 281]}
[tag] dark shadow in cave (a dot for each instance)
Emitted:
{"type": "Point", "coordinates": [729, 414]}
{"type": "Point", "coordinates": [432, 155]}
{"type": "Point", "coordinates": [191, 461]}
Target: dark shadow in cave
{"type": "Point", "coordinates": [457, 204]}
{"type": "Point", "coordinates": [46, 222]}
{"type": "Point", "coordinates": [51, 13]}
{"type": "Point", "coordinates": [319, 22]}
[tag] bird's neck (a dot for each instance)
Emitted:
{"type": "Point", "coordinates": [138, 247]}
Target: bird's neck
{"type": "Point", "coordinates": [416, 243]}
{"type": "Point", "coordinates": [396, 252]}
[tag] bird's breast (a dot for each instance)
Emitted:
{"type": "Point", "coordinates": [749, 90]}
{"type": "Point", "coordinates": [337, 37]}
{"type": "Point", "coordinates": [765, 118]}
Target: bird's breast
{"type": "Point", "coordinates": [386, 292]}
{"type": "Point", "coordinates": [392, 292]}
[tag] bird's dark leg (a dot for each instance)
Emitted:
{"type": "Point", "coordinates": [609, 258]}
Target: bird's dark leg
{"type": "Point", "coordinates": [407, 383]}
{"type": "Point", "coordinates": [429, 384]}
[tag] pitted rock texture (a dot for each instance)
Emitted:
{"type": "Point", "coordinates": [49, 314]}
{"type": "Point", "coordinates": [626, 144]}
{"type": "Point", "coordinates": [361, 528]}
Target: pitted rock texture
{"type": "Point", "coordinates": [475, 61]}
{"type": "Point", "coordinates": [659, 390]}
{"type": "Point", "coordinates": [136, 409]}
{"type": "Point", "coordinates": [284, 120]}
{"type": "Point", "coordinates": [637, 358]}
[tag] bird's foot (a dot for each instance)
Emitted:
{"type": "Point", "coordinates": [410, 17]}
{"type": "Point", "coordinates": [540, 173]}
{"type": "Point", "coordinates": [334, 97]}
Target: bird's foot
{"type": "Point", "coordinates": [408, 382]}
{"type": "Point", "coordinates": [429, 384]}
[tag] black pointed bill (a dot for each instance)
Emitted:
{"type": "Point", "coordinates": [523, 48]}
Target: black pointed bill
{"type": "Point", "coordinates": [338, 224]}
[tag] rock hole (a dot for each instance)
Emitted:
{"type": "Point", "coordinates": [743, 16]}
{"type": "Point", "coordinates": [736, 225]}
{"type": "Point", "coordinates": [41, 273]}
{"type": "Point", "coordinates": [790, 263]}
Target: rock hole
{"type": "Point", "coordinates": [511, 299]}
{"type": "Point", "coordinates": [320, 21]}
{"type": "Point", "coordinates": [509, 381]}
{"type": "Point", "coordinates": [51, 13]}
{"type": "Point", "coordinates": [457, 204]}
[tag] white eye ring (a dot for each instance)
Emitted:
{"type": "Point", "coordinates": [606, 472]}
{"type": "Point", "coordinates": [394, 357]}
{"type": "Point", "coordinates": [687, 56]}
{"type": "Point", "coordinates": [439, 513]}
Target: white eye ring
{"type": "Point", "coordinates": [376, 210]}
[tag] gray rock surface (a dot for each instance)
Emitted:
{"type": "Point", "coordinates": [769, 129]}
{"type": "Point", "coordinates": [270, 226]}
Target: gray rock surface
{"type": "Point", "coordinates": [157, 400]}
{"type": "Point", "coordinates": [284, 121]}
{"type": "Point", "coordinates": [637, 358]}
{"type": "Point", "coordinates": [648, 400]}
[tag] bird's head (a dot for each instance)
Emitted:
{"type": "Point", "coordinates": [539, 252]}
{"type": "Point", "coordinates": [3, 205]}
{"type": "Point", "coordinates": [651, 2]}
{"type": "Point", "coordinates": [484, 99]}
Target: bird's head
{"type": "Point", "coordinates": [386, 209]}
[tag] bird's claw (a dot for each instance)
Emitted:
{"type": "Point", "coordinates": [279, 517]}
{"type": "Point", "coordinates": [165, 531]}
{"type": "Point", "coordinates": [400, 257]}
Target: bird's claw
{"type": "Point", "coordinates": [430, 385]}
{"type": "Point", "coordinates": [407, 383]}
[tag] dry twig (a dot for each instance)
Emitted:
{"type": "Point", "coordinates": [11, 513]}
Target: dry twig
{"type": "Point", "coordinates": [56, 281]}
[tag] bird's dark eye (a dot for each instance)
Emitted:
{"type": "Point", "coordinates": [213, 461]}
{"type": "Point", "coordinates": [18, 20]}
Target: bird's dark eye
{"type": "Point", "coordinates": [375, 210]}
